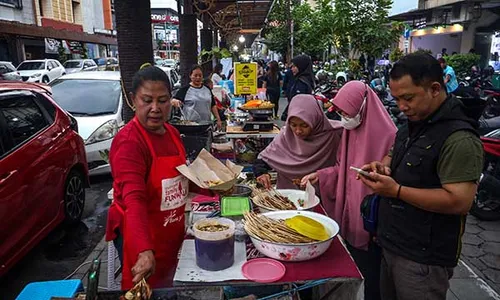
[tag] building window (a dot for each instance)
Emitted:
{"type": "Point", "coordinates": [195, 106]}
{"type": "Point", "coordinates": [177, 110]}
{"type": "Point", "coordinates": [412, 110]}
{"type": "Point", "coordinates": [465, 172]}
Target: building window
{"type": "Point", "coordinates": [15, 3]}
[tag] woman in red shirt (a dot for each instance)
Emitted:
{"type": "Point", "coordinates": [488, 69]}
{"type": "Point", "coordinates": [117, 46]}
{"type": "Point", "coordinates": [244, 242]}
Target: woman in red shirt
{"type": "Point", "coordinates": [149, 192]}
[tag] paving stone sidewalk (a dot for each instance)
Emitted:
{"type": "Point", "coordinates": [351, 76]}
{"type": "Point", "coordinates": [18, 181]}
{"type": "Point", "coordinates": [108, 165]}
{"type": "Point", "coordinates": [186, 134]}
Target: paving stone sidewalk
{"type": "Point", "coordinates": [481, 249]}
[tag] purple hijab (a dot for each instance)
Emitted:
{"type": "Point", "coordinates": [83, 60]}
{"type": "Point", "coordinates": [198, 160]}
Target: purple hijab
{"type": "Point", "coordinates": [341, 193]}
{"type": "Point", "coordinates": [293, 157]}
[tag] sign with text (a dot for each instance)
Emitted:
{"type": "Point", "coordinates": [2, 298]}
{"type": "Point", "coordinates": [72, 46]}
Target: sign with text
{"type": "Point", "coordinates": [245, 78]}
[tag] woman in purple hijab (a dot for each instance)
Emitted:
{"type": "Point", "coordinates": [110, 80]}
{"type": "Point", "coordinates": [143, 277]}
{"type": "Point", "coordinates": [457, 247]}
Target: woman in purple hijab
{"type": "Point", "coordinates": [368, 133]}
{"type": "Point", "coordinates": [307, 142]}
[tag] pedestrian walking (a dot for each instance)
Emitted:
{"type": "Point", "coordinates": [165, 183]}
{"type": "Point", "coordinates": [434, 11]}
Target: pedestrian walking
{"type": "Point", "coordinates": [449, 77]}
{"type": "Point", "coordinates": [272, 83]}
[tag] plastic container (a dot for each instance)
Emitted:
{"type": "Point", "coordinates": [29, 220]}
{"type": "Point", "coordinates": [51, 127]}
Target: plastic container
{"type": "Point", "coordinates": [234, 206]}
{"type": "Point", "coordinates": [214, 250]}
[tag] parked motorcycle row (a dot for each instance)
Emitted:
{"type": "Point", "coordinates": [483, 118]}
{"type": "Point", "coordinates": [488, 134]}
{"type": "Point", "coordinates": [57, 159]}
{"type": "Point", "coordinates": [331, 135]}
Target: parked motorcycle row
{"type": "Point", "coordinates": [477, 93]}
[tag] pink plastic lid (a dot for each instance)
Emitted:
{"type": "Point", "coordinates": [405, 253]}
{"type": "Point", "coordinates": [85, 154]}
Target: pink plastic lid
{"type": "Point", "coordinates": [263, 270]}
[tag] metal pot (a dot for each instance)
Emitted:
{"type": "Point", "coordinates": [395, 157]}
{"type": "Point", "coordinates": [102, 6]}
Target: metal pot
{"type": "Point", "coordinates": [198, 128]}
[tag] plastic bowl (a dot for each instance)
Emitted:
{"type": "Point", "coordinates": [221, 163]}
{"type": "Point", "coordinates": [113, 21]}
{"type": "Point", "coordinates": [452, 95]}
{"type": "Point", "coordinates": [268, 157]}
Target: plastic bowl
{"type": "Point", "coordinates": [294, 196]}
{"type": "Point", "coordinates": [296, 252]}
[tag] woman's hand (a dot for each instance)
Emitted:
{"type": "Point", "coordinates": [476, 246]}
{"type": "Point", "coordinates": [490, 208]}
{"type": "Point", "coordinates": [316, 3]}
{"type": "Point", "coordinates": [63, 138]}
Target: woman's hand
{"type": "Point", "coordinates": [313, 178]}
{"type": "Point", "coordinates": [219, 124]}
{"type": "Point", "coordinates": [144, 267]}
{"type": "Point", "coordinates": [265, 180]}
{"type": "Point", "coordinates": [176, 103]}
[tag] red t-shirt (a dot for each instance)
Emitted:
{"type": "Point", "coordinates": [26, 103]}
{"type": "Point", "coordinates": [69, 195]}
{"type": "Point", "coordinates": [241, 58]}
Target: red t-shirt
{"type": "Point", "coordinates": [130, 161]}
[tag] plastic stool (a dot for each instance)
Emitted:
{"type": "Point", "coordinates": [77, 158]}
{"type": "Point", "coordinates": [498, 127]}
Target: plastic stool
{"type": "Point", "coordinates": [45, 290]}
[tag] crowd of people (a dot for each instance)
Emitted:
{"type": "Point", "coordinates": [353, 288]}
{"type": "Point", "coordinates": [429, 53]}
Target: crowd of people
{"type": "Point", "coordinates": [423, 177]}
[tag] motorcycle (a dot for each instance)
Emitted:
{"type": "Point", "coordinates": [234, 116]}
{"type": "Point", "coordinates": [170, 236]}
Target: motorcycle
{"type": "Point", "coordinates": [486, 205]}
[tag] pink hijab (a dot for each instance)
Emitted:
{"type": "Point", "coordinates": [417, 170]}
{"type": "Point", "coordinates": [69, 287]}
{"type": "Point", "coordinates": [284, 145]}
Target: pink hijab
{"type": "Point", "coordinates": [293, 157]}
{"type": "Point", "coordinates": [341, 193]}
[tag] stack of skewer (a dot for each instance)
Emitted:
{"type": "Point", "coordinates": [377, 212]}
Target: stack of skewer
{"type": "Point", "coordinates": [272, 200]}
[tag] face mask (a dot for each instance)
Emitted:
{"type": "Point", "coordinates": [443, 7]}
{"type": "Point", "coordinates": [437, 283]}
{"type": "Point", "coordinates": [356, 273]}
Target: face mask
{"type": "Point", "coordinates": [352, 123]}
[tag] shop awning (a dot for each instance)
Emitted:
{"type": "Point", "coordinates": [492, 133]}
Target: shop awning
{"type": "Point", "coordinates": [16, 28]}
{"type": "Point", "coordinates": [236, 17]}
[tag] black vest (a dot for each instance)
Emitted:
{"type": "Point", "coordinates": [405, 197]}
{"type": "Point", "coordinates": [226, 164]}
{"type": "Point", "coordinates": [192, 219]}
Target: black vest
{"type": "Point", "coordinates": [419, 235]}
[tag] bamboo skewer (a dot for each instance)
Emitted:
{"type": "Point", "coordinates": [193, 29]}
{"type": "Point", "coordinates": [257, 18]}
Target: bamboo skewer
{"type": "Point", "coordinates": [272, 199]}
{"type": "Point", "coordinates": [272, 230]}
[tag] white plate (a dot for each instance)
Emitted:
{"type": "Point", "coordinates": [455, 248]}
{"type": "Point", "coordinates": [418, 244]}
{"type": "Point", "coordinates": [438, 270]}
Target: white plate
{"type": "Point", "coordinates": [294, 196]}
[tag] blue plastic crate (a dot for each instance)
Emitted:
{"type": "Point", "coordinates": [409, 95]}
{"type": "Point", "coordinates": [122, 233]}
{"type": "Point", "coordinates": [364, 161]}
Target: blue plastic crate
{"type": "Point", "coordinates": [45, 290]}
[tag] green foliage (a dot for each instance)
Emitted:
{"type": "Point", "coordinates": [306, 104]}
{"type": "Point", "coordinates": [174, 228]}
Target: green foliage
{"type": "Point", "coordinates": [462, 63]}
{"type": "Point", "coordinates": [396, 54]}
{"type": "Point", "coordinates": [216, 52]}
{"type": "Point", "coordinates": [351, 26]}
{"type": "Point", "coordinates": [422, 50]}
{"type": "Point", "coordinates": [355, 68]}
{"type": "Point", "coordinates": [312, 28]}
{"type": "Point", "coordinates": [365, 26]}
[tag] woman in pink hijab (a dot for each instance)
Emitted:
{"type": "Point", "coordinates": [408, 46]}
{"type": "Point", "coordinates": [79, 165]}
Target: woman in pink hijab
{"type": "Point", "coordinates": [308, 142]}
{"type": "Point", "coordinates": [368, 134]}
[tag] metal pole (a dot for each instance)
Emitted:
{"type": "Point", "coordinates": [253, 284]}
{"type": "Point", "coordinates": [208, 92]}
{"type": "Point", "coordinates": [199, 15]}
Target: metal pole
{"type": "Point", "coordinates": [291, 39]}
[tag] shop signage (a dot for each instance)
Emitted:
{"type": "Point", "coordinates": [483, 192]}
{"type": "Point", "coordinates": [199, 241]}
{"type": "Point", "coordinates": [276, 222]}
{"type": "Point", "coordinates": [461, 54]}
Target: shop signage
{"type": "Point", "coordinates": [245, 75]}
{"type": "Point", "coordinates": [163, 18]}
{"type": "Point", "coordinates": [105, 31]}
{"type": "Point", "coordinates": [406, 44]}
{"type": "Point", "coordinates": [52, 46]}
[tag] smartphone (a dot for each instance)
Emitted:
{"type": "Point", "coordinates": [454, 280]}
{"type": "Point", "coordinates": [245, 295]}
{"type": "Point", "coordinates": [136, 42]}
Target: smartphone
{"type": "Point", "coordinates": [361, 172]}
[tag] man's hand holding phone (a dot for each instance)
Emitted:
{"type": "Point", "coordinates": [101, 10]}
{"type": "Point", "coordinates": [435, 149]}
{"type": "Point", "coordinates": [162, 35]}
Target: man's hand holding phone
{"type": "Point", "coordinates": [378, 179]}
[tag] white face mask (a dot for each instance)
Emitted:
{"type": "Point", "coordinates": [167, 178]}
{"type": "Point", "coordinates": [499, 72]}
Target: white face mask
{"type": "Point", "coordinates": [352, 123]}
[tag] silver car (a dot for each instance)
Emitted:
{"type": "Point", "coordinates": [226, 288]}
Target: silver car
{"type": "Point", "coordinates": [9, 72]}
{"type": "Point", "coordinates": [95, 100]}
{"type": "Point", "coordinates": [79, 65]}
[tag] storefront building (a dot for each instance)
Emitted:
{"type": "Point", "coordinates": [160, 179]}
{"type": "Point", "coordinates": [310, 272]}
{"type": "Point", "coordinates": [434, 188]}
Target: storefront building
{"type": "Point", "coordinates": [458, 26]}
{"type": "Point", "coordinates": [165, 23]}
{"type": "Point", "coordinates": [38, 30]}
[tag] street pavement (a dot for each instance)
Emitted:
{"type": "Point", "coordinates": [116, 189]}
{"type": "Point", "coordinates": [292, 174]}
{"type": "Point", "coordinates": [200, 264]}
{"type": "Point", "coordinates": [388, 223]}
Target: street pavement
{"type": "Point", "coordinates": [65, 248]}
{"type": "Point", "coordinates": [481, 249]}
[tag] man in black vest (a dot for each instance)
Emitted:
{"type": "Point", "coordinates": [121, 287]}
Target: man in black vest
{"type": "Point", "coordinates": [428, 183]}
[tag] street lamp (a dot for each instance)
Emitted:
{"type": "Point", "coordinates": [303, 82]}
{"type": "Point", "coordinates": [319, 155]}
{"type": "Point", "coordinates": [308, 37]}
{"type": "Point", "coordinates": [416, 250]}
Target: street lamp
{"type": "Point", "coordinates": [241, 39]}
{"type": "Point", "coordinates": [235, 48]}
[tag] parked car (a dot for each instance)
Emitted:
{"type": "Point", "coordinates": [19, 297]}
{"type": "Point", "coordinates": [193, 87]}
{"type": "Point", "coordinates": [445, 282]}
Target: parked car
{"type": "Point", "coordinates": [175, 78]}
{"type": "Point", "coordinates": [43, 170]}
{"type": "Point", "coordinates": [107, 64]}
{"type": "Point", "coordinates": [44, 70]}
{"type": "Point", "coordinates": [8, 71]}
{"type": "Point", "coordinates": [98, 111]}
{"type": "Point", "coordinates": [158, 61]}
{"type": "Point", "coordinates": [79, 65]}
{"type": "Point", "coordinates": [169, 63]}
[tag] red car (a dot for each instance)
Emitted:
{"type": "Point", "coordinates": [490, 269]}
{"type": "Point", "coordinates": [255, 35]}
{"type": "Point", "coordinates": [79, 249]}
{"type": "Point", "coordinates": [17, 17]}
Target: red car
{"type": "Point", "coordinates": [43, 169]}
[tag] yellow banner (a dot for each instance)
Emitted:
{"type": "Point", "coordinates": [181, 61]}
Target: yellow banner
{"type": "Point", "coordinates": [245, 78]}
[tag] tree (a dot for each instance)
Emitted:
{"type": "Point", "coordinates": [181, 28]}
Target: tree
{"type": "Point", "coordinates": [135, 43]}
{"type": "Point", "coordinates": [363, 26]}
{"type": "Point", "coordinates": [351, 26]}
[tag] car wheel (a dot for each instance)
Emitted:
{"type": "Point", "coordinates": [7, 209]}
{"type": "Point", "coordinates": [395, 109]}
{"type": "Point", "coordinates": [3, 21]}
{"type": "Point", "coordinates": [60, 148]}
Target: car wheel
{"type": "Point", "coordinates": [45, 79]}
{"type": "Point", "coordinates": [74, 197]}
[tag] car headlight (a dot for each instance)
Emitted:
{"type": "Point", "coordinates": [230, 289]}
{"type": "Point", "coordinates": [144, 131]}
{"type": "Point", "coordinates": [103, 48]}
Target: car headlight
{"type": "Point", "coordinates": [105, 132]}
{"type": "Point", "coordinates": [36, 75]}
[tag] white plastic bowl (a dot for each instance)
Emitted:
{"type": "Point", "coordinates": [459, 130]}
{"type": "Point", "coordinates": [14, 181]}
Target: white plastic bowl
{"type": "Point", "coordinates": [296, 252]}
{"type": "Point", "coordinates": [294, 196]}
